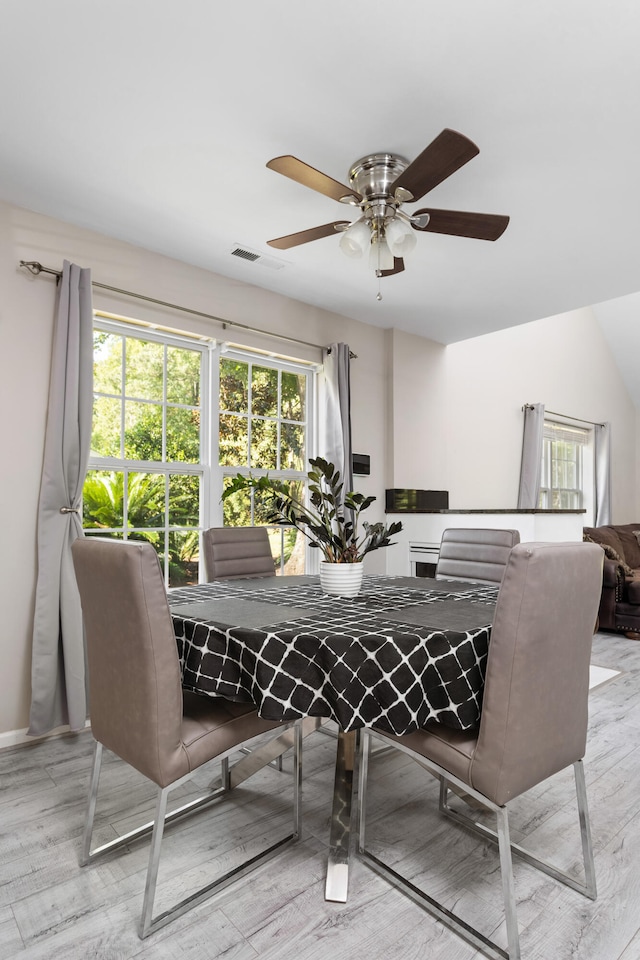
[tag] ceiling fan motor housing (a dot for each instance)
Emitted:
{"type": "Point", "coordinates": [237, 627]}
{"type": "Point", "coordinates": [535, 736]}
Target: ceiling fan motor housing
{"type": "Point", "coordinates": [372, 177]}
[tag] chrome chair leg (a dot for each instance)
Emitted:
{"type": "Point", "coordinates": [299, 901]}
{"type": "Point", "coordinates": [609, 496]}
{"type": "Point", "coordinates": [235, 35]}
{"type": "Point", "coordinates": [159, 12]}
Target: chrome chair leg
{"type": "Point", "coordinates": [590, 889]}
{"type": "Point", "coordinates": [298, 730]}
{"type": "Point", "coordinates": [148, 923]}
{"type": "Point", "coordinates": [508, 885]}
{"type": "Point", "coordinates": [154, 862]}
{"type": "Point", "coordinates": [436, 909]}
{"type": "Point", "coordinates": [85, 854]}
{"type": "Point", "coordinates": [506, 848]}
{"type": "Point", "coordinates": [587, 887]}
{"type": "Point", "coordinates": [224, 773]}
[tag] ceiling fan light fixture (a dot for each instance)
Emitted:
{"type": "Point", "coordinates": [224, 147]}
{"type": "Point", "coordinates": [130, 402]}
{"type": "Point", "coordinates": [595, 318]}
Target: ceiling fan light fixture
{"type": "Point", "coordinates": [356, 239]}
{"type": "Point", "coordinates": [379, 184]}
{"type": "Point", "coordinates": [400, 238]}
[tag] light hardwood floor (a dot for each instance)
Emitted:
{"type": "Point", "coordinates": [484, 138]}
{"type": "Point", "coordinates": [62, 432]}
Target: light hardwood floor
{"type": "Point", "coordinates": [50, 909]}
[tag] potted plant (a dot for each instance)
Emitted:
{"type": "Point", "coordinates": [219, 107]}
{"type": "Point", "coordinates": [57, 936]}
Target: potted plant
{"type": "Point", "coordinates": [334, 529]}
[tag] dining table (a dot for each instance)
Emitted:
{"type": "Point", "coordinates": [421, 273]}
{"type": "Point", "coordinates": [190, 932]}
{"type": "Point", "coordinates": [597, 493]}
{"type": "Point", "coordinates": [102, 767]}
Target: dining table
{"type": "Point", "coordinates": [403, 652]}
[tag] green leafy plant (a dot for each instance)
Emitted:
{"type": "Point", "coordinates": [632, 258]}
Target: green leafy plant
{"type": "Point", "coordinates": [336, 530]}
{"type": "Point", "coordinates": [103, 499]}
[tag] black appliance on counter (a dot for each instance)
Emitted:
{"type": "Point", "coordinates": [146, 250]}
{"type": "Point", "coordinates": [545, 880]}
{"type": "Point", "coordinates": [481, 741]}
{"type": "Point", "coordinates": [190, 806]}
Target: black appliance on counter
{"type": "Point", "coordinates": [416, 501]}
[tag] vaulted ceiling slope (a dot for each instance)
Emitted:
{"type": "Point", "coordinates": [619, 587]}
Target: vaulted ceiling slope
{"type": "Point", "coordinates": [152, 122]}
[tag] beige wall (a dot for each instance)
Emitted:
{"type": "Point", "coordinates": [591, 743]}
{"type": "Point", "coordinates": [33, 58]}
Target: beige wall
{"type": "Point", "coordinates": [418, 412]}
{"type": "Point", "coordinates": [427, 415]}
{"type": "Point", "coordinates": [456, 418]}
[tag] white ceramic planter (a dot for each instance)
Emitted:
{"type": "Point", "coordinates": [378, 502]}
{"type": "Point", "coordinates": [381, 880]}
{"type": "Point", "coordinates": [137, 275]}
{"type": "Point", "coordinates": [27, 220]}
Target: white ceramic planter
{"type": "Point", "coordinates": [341, 579]}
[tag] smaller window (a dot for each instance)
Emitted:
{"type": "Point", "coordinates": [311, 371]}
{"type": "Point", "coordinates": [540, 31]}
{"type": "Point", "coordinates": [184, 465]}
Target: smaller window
{"type": "Point", "coordinates": [563, 468]}
{"type": "Point", "coordinates": [263, 419]}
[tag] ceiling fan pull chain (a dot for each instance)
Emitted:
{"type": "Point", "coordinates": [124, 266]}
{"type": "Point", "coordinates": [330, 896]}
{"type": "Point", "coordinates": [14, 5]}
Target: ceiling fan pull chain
{"type": "Point", "coordinates": [378, 271]}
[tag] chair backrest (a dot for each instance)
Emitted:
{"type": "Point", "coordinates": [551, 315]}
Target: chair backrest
{"type": "Point", "coordinates": [135, 695]}
{"type": "Point", "coordinates": [534, 708]}
{"type": "Point", "coordinates": [479, 555]}
{"type": "Point", "coordinates": [237, 552]}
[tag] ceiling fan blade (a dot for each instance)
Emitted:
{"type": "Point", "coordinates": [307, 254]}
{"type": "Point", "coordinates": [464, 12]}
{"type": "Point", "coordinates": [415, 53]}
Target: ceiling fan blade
{"type": "Point", "coordinates": [444, 155]}
{"type": "Point", "coordinates": [398, 267]}
{"type": "Point", "coordinates": [478, 226]}
{"type": "Point", "coordinates": [305, 236]}
{"type": "Point", "coordinates": [308, 176]}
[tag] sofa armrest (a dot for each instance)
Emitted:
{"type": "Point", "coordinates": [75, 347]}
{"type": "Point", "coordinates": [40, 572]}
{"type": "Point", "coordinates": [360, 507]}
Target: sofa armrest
{"type": "Point", "coordinates": [611, 573]}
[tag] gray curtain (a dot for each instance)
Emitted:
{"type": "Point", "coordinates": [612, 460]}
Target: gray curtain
{"type": "Point", "coordinates": [335, 415]}
{"type": "Point", "coordinates": [529, 491]}
{"type": "Point", "coordinates": [602, 471]}
{"type": "Point", "coordinates": [58, 685]}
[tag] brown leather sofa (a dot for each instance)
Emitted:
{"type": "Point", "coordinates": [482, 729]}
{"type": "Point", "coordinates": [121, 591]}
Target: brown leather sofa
{"type": "Point", "coordinates": [620, 600]}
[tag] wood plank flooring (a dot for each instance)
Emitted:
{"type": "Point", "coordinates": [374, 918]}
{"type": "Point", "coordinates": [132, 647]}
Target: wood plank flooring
{"type": "Point", "coordinates": [51, 909]}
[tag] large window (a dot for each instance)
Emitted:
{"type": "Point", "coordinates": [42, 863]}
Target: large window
{"type": "Point", "coordinates": [172, 418]}
{"type": "Point", "coordinates": [564, 466]}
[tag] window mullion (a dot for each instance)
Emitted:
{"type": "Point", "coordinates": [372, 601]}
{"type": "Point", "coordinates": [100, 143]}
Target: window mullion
{"type": "Point", "coordinates": [123, 383]}
{"type": "Point", "coordinates": [279, 422]}
{"type": "Point", "coordinates": [164, 403]}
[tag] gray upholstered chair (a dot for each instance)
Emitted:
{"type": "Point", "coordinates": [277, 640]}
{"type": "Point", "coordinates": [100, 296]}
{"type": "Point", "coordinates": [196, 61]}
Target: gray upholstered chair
{"type": "Point", "coordinates": [479, 555]}
{"type": "Point", "coordinates": [237, 552]}
{"type": "Point", "coordinates": [140, 712]}
{"type": "Point", "coordinates": [533, 722]}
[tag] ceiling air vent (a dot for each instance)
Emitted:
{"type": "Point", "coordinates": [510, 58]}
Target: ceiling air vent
{"type": "Point", "coordinates": [251, 256]}
{"type": "Point", "coordinates": [244, 254]}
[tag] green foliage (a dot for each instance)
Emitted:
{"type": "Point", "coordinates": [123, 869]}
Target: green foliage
{"type": "Point", "coordinates": [142, 394]}
{"type": "Point", "coordinates": [260, 418]}
{"type": "Point", "coordinates": [103, 500]}
{"type": "Point", "coordinates": [104, 509]}
{"type": "Point", "coordinates": [328, 525]}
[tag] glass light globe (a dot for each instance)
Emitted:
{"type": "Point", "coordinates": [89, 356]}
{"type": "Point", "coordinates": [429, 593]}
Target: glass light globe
{"type": "Point", "coordinates": [355, 239]}
{"type": "Point", "coordinates": [400, 238]}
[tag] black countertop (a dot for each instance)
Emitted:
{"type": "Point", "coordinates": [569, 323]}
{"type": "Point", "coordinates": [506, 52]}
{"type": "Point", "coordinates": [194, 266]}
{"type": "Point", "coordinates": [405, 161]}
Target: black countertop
{"type": "Point", "coordinates": [510, 511]}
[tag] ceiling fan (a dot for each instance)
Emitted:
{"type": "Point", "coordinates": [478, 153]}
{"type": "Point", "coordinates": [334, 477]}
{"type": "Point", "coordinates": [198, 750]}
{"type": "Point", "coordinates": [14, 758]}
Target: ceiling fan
{"type": "Point", "coordinates": [379, 185]}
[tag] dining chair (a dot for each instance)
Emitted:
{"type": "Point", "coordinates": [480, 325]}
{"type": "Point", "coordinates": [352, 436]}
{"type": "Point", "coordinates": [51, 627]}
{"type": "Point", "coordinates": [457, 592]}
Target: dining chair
{"type": "Point", "coordinates": [480, 555]}
{"type": "Point", "coordinates": [140, 712]}
{"type": "Point", "coordinates": [237, 552]}
{"type": "Point", "coordinates": [533, 722]}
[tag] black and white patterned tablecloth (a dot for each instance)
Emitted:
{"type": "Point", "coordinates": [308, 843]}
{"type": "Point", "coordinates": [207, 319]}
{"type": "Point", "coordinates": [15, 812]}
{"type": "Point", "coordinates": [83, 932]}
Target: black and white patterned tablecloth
{"type": "Point", "coordinates": [404, 651]}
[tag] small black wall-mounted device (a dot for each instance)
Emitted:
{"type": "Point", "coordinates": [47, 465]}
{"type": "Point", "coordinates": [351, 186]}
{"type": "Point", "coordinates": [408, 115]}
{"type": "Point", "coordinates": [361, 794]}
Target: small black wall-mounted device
{"type": "Point", "coordinates": [361, 464]}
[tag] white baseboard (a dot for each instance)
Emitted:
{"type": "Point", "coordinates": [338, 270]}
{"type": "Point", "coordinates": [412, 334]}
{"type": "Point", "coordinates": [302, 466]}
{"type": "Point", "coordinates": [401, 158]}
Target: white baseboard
{"type": "Point", "coordinates": [19, 738]}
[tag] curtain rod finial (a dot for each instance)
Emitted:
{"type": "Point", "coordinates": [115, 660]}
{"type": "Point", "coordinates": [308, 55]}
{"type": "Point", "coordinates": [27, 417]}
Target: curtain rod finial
{"type": "Point", "coordinates": [32, 266]}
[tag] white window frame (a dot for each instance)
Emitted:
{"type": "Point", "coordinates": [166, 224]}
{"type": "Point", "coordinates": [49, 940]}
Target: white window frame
{"type": "Point", "coordinates": [208, 469]}
{"type": "Point", "coordinates": [557, 430]}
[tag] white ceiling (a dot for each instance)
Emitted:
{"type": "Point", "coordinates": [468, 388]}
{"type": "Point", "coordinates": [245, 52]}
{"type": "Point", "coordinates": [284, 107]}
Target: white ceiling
{"type": "Point", "coordinates": [152, 120]}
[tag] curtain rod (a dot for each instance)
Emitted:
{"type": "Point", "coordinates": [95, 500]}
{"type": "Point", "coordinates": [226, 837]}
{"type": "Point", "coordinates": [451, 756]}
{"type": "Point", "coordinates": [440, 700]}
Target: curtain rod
{"type": "Point", "coordinates": [36, 268]}
{"type": "Point", "coordinates": [594, 423]}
